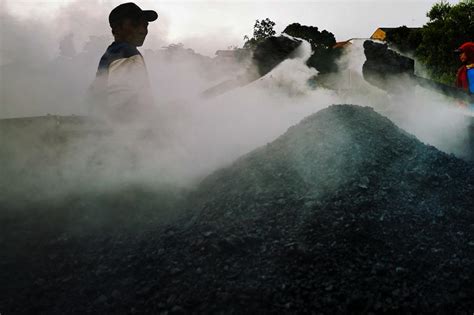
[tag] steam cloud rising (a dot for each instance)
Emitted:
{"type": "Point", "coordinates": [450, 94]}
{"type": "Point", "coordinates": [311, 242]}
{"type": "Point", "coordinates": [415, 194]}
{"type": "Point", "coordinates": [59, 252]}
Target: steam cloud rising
{"type": "Point", "coordinates": [43, 72]}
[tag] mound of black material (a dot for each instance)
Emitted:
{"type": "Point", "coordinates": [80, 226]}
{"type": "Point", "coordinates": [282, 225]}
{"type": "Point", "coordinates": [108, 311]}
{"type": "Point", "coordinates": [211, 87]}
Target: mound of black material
{"type": "Point", "coordinates": [383, 65]}
{"type": "Point", "coordinates": [344, 213]}
{"type": "Point", "coordinates": [340, 149]}
{"type": "Point", "coordinates": [273, 50]}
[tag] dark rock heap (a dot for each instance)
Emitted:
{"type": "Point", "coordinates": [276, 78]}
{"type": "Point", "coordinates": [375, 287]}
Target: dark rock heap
{"type": "Point", "coordinates": [338, 150]}
{"type": "Point", "coordinates": [383, 66]}
{"type": "Point", "coordinates": [344, 213]}
{"type": "Point", "coordinates": [272, 51]}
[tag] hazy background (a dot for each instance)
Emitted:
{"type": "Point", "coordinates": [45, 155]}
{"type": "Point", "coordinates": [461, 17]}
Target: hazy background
{"type": "Point", "coordinates": [49, 56]}
{"type": "Point", "coordinates": [210, 25]}
{"type": "Point", "coordinates": [35, 36]}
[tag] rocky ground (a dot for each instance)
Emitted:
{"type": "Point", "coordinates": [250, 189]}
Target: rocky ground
{"type": "Point", "coordinates": [344, 213]}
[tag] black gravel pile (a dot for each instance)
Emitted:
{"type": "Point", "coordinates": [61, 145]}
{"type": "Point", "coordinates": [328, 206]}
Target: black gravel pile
{"type": "Point", "coordinates": [383, 65]}
{"type": "Point", "coordinates": [344, 213]}
{"type": "Point", "coordinates": [339, 150]}
{"type": "Point", "coordinates": [271, 51]}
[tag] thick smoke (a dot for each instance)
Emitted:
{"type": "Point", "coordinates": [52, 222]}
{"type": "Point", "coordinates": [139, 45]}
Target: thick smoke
{"type": "Point", "coordinates": [187, 136]}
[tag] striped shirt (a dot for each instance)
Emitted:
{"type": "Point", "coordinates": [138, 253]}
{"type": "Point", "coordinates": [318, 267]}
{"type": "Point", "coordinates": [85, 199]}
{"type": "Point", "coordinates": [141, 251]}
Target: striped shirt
{"type": "Point", "coordinates": [121, 90]}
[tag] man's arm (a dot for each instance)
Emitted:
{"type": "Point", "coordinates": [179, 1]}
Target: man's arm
{"type": "Point", "coordinates": [128, 88]}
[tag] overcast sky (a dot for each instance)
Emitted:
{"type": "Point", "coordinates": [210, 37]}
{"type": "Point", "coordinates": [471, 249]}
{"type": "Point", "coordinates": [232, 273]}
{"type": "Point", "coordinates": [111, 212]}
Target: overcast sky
{"type": "Point", "coordinates": [209, 25]}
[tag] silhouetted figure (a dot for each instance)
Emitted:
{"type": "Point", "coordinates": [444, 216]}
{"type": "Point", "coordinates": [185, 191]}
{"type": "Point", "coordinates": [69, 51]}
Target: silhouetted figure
{"type": "Point", "coordinates": [121, 90]}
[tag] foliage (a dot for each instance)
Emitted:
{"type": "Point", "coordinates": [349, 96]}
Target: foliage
{"type": "Point", "coordinates": [324, 55]}
{"type": "Point", "coordinates": [449, 26]}
{"type": "Point", "coordinates": [261, 30]}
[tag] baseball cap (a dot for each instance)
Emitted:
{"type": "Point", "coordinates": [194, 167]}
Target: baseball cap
{"type": "Point", "coordinates": [132, 11]}
{"type": "Point", "coordinates": [465, 47]}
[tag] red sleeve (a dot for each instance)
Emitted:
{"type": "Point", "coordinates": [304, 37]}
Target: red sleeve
{"type": "Point", "coordinates": [461, 79]}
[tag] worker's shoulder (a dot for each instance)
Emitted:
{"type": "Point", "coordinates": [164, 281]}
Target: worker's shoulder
{"type": "Point", "coordinates": [117, 51]}
{"type": "Point", "coordinates": [122, 50]}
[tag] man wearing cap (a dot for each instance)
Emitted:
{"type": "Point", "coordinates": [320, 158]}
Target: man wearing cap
{"type": "Point", "coordinates": [121, 90]}
{"type": "Point", "coordinates": [465, 75]}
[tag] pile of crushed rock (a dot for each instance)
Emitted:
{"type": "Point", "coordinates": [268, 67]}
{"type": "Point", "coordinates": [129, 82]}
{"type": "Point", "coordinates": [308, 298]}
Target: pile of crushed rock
{"type": "Point", "coordinates": [343, 213]}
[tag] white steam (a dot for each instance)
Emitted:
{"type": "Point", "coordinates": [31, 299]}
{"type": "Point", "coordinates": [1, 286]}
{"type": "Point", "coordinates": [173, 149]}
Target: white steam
{"type": "Point", "coordinates": [189, 136]}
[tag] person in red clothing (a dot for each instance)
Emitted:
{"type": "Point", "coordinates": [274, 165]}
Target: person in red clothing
{"type": "Point", "coordinates": [466, 55]}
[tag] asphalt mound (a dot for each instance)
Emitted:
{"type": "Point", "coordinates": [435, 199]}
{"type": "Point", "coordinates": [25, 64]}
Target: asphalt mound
{"type": "Point", "coordinates": [341, 151]}
{"type": "Point", "coordinates": [343, 213]}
